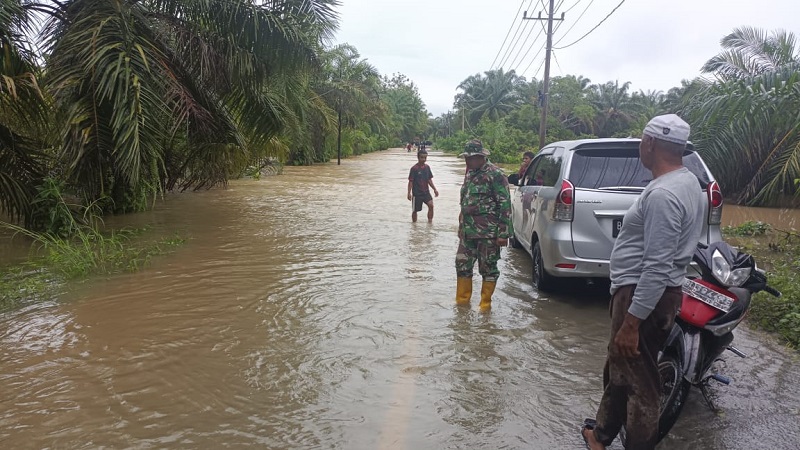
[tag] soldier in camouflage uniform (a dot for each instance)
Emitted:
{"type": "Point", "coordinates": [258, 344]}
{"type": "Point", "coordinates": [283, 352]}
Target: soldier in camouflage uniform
{"type": "Point", "coordinates": [484, 224]}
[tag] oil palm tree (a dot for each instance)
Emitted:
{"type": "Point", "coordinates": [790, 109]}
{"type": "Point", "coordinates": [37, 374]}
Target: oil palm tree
{"type": "Point", "coordinates": [492, 95]}
{"type": "Point", "coordinates": [174, 93]}
{"type": "Point", "coordinates": [351, 86]}
{"type": "Point", "coordinates": [613, 108]}
{"type": "Point", "coordinates": [26, 134]}
{"type": "Point", "coordinates": [749, 51]}
{"type": "Point", "coordinates": [747, 122]}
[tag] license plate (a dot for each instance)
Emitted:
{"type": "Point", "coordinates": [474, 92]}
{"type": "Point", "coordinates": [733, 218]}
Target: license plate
{"type": "Point", "coordinates": [616, 225]}
{"type": "Point", "coordinates": [708, 296]}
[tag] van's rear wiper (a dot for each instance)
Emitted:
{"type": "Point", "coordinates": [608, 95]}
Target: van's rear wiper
{"type": "Point", "coordinates": [621, 188]}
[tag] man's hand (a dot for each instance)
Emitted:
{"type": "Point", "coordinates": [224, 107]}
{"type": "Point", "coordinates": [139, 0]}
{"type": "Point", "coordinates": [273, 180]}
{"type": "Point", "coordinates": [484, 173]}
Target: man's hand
{"type": "Point", "coordinates": [626, 342]}
{"type": "Point", "coordinates": [409, 196]}
{"type": "Point", "coordinates": [435, 192]}
{"type": "Point", "coordinates": [502, 242]}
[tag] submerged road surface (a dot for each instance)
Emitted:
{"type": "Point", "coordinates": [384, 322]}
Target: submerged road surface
{"type": "Point", "coordinates": [306, 311]}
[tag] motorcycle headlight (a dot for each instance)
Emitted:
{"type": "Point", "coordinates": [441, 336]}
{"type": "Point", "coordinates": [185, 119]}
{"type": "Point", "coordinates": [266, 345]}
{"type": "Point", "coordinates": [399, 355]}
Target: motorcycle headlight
{"type": "Point", "coordinates": [723, 273]}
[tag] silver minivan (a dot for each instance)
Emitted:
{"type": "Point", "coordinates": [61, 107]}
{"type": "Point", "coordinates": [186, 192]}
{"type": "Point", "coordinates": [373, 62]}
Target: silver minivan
{"type": "Point", "coordinates": [568, 206]}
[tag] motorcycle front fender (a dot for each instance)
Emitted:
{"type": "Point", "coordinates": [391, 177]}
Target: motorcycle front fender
{"type": "Point", "coordinates": [692, 357]}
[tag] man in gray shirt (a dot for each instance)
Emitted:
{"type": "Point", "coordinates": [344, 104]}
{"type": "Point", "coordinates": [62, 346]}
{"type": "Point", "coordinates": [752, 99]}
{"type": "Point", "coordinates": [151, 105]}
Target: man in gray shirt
{"type": "Point", "coordinates": [648, 264]}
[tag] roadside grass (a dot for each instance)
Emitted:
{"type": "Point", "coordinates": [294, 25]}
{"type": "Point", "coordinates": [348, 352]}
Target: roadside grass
{"type": "Point", "coordinates": [56, 260]}
{"type": "Point", "coordinates": [777, 252]}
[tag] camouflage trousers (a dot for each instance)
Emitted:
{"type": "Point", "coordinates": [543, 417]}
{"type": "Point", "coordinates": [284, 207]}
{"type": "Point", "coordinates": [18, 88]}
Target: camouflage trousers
{"type": "Point", "coordinates": [486, 251]}
{"type": "Point", "coordinates": [632, 394]}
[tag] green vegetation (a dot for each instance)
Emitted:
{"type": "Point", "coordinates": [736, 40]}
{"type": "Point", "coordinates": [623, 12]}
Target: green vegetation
{"type": "Point", "coordinates": [119, 102]}
{"type": "Point", "coordinates": [744, 116]}
{"type": "Point", "coordinates": [69, 250]}
{"type": "Point", "coordinates": [749, 228]}
{"type": "Point", "coordinates": [57, 260]}
{"type": "Point", "coordinates": [778, 252]}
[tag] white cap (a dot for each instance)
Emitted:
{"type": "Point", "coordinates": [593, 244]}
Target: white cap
{"type": "Point", "coordinates": [668, 127]}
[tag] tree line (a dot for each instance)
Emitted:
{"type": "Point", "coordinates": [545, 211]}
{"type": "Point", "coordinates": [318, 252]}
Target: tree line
{"type": "Point", "coordinates": [110, 104]}
{"type": "Point", "coordinates": [744, 112]}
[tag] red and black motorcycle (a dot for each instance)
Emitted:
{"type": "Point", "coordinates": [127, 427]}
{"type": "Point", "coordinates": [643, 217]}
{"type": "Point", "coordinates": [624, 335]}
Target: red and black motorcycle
{"type": "Point", "coordinates": [714, 303]}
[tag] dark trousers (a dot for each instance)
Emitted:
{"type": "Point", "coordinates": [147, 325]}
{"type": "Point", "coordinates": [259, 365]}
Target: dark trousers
{"type": "Point", "coordinates": [632, 394]}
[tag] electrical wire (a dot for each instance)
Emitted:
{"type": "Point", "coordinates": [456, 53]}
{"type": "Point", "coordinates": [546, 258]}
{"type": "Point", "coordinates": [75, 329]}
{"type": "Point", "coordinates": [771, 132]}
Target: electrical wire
{"type": "Point", "coordinates": [510, 49]}
{"type": "Point", "coordinates": [508, 33]}
{"type": "Point", "coordinates": [595, 27]}
{"type": "Point", "coordinates": [575, 22]}
{"type": "Point", "coordinates": [571, 7]}
{"type": "Point", "coordinates": [537, 37]}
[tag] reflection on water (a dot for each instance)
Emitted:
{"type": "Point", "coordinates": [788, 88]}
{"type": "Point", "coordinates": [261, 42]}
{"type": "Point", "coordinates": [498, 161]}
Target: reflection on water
{"type": "Point", "coordinates": [307, 311]}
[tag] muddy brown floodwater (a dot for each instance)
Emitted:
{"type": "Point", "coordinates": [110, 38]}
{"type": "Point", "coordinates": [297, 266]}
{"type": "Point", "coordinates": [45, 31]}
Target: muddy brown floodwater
{"type": "Point", "coordinates": [306, 312]}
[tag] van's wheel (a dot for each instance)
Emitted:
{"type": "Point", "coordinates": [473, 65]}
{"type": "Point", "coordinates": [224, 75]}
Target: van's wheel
{"type": "Point", "coordinates": [542, 281]}
{"type": "Point", "coordinates": [514, 242]}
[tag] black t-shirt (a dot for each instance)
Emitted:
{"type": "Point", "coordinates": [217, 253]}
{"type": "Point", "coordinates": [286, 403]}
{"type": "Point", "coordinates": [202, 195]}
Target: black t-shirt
{"type": "Point", "coordinates": [419, 175]}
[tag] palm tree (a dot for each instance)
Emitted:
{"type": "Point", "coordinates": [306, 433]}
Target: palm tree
{"type": "Point", "coordinates": [164, 94]}
{"type": "Point", "coordinates": [749, 51]}
{"type": "Point", "coordinates": [493, 95]}
{"type": "Point", "coordinates": [747, 124]}
{"type": "Point", "coordinates": [26, 132]}
{"type": "Point", "coordinates": [614, 109]}
{"type": "Point", "coordinates": [352, 85]}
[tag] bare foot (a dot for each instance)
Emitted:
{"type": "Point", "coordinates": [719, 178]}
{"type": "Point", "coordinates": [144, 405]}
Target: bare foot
{"type": "Point", "coordinates": [592, 441]}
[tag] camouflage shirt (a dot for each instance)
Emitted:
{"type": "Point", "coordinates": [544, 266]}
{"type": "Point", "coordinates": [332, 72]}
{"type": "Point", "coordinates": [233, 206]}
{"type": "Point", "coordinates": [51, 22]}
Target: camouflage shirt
{"type": "Point", "coordinates": [485, 204]}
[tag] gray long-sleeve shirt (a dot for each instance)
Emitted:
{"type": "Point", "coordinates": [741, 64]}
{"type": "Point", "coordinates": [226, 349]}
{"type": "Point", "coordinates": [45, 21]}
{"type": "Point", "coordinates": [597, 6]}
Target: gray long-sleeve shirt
{"type": "Point", "coordinates": [658, 237]}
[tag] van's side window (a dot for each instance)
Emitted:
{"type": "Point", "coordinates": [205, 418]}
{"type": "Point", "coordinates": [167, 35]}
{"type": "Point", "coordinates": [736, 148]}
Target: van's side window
{"type": "Point", "coordinates": [544, 171]}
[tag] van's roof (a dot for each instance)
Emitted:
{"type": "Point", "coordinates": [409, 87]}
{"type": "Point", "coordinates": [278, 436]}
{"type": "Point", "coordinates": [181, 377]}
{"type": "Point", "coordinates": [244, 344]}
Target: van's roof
{"type": "Point", "coordinates": [579, 142]}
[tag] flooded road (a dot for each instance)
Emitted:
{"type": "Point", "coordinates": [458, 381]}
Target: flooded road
{"type": "Point", "coordinates": [306, 311]}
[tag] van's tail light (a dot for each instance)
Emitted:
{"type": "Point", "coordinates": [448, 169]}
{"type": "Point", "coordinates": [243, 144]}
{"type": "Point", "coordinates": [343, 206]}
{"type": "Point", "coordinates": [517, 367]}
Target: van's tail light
{"type": "Point", "coordinates": [564, 209]}
{"type": "Point", "coordinates": [714, 203]}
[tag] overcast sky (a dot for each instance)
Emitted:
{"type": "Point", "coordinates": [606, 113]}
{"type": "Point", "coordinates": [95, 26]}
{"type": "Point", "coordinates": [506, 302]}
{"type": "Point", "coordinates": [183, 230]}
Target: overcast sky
{"type": "Point", "coordinates": [653, 44]}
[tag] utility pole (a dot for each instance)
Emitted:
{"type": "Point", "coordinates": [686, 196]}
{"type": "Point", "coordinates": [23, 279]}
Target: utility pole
{"type": "Point", "coordinates": [546, 87]}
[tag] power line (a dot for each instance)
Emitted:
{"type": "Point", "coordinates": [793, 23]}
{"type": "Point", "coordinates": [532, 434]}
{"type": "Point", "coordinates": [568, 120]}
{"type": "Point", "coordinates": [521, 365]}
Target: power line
{"type": "Point", "coordinates": [516, 41]}
{"type": "Point", "coordinates": [595, 27]}
{"type": "Point", "coordinates": [541, 2]}
{"type": "Point", "coordinates": [571, 7]}
{"type": "Point", "coordinates": [508, 33]}
{"type": "Point", "coordinates": [576, 20]}
{"type": "Point", "coordinates": [523, 46]}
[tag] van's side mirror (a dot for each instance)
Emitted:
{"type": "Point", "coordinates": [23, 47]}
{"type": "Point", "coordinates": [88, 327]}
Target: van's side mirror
{"type": "Point", "coordinates": [513, 179]}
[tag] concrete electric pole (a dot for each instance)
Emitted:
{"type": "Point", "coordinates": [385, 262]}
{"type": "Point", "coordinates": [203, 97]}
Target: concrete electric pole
{"type": "Point", "coordinates": [546, 87]}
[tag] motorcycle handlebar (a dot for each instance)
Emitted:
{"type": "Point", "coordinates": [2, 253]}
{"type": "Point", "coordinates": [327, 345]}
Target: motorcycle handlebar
{"type": "Point", "coordinates": [772, 291]}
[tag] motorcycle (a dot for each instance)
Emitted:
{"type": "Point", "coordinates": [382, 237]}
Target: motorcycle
{"type": "Point", "coordinates": [713, 305]}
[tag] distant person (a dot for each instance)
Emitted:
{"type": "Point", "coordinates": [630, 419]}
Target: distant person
{"type": "Point", "coordinates": [420, 179]}
{"type": "Point", "coordinates": [648, 265]}
{"type": "Point", "coordinates": [484, 224]}
{"type": "Point", "coordinates": [408, 147]}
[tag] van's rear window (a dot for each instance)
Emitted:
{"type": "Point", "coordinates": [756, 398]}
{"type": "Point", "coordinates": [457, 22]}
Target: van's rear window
{"type": "Point", "coordinates": [596, 168]}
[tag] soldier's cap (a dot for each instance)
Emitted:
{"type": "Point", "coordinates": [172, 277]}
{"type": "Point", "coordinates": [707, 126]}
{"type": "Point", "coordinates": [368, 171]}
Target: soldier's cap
{"type": "Point", "coordinates": [474, 147]}
{"type": "Point", "coordinates": [668, 127]}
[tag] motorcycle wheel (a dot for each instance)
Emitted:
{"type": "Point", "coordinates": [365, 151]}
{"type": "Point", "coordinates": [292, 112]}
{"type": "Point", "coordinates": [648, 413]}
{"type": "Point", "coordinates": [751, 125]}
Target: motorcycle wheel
{"type": "Point", "coordinates": [674, 390]}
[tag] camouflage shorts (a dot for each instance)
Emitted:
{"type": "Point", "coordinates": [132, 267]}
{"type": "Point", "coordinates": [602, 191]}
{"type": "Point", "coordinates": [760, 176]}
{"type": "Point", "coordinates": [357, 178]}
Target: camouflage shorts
{"type": "Point", "coordinates": [486, 251]}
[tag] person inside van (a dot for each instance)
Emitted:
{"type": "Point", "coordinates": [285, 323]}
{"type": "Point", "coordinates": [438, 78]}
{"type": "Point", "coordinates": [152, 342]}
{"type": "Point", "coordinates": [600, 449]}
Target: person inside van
{"type": "Point", "coordinates": [514, 178]}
